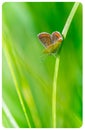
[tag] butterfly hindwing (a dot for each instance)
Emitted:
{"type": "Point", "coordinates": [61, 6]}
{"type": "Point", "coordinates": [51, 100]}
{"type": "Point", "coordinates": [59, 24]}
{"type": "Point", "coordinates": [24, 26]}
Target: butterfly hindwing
{"type": "Point", "coordinates": [56, 36]}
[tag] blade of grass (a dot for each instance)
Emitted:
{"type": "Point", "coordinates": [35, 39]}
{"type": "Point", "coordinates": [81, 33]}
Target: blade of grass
{"type": "Point", "coordinates": [69, 20]}
{"type": "Point", "coordinates": [9, 115]}
{"type": "Point", "coordinates": [54, 92]}
{"type": "Point", "coordinates": [36, 76]}
{"type": "Point", "coordinates": [27, 91]}
{"type": "Point", "coordinates": [14, 57]}
{"type": "Point", "coordinates": [64, 33]}
{"type": "Point", "coordinates": [8, 57]}
{"type": "Point", "coordinates": [28, 94]}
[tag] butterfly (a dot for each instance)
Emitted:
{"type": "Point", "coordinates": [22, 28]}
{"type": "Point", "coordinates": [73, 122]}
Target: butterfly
{"type": "Point", "coordinates": [51, 42]}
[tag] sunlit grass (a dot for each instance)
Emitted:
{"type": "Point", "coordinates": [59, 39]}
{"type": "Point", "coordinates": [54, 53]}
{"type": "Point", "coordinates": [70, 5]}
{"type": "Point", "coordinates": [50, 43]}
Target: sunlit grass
{"type": "Point", "coordinates": [30, 79]}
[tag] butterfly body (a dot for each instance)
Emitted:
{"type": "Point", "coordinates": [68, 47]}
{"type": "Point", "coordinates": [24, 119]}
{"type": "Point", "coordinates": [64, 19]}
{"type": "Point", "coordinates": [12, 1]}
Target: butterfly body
{"type": "Point", "coordinates": [51, 42]}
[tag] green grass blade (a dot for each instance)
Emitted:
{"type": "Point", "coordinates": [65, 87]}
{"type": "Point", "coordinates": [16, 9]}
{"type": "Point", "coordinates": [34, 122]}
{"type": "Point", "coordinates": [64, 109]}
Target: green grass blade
{"type": "Point", "coordinates": [6, 51]}
{"type": "Point", "coordinates": [26, 91]}
{"type": "Point", "coordinates": [69, 20]}
{"type": "Point", "coordinates": [64, 33]}
{"type": "Point", "coordinates": [9, 115]}
{"type": "Point", "coordinates": [54, 92]}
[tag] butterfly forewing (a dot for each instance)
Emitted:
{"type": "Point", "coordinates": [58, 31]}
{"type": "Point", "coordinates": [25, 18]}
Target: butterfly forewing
{"type": "Point", "coordinates": [45, 38]}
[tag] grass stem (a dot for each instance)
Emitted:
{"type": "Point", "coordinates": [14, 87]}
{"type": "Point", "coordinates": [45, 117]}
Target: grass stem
{"type": "Point", "coordinates": [69, 20]}
{"type": "Point", "coordinates": [64, 33]}
{"type": "Point", "coordinates": [54, 92]}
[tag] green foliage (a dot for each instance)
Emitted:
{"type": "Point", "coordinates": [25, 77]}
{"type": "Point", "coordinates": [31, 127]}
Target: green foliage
{"type": "Point", "coordinates": [28, 74]}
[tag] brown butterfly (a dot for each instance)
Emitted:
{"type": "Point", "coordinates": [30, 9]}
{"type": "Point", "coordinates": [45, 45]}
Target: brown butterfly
{"type": "Point", "coordinates": [51, 42]}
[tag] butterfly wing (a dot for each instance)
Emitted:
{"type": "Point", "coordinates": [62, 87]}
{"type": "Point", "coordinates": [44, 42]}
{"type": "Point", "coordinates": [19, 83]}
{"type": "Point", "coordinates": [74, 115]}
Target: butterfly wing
{"type": "Point", "coordinates": [52, 48]}
{"type": "Point", "coordinates": [56, 36]}
{"type": "Point", "coordinates": [45, 39]}
{"type": "Point", "coordinates": [56, 39]}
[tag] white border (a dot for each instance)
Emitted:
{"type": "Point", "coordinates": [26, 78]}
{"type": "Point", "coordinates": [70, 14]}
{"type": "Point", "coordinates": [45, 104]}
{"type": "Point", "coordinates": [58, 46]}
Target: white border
{"type": "Point", "coordinates": [83, 3]}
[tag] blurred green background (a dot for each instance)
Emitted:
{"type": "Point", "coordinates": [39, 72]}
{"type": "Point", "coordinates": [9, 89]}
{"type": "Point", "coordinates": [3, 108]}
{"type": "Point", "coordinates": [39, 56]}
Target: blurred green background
{"type": "Point", "coordinates": [27, 74]}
